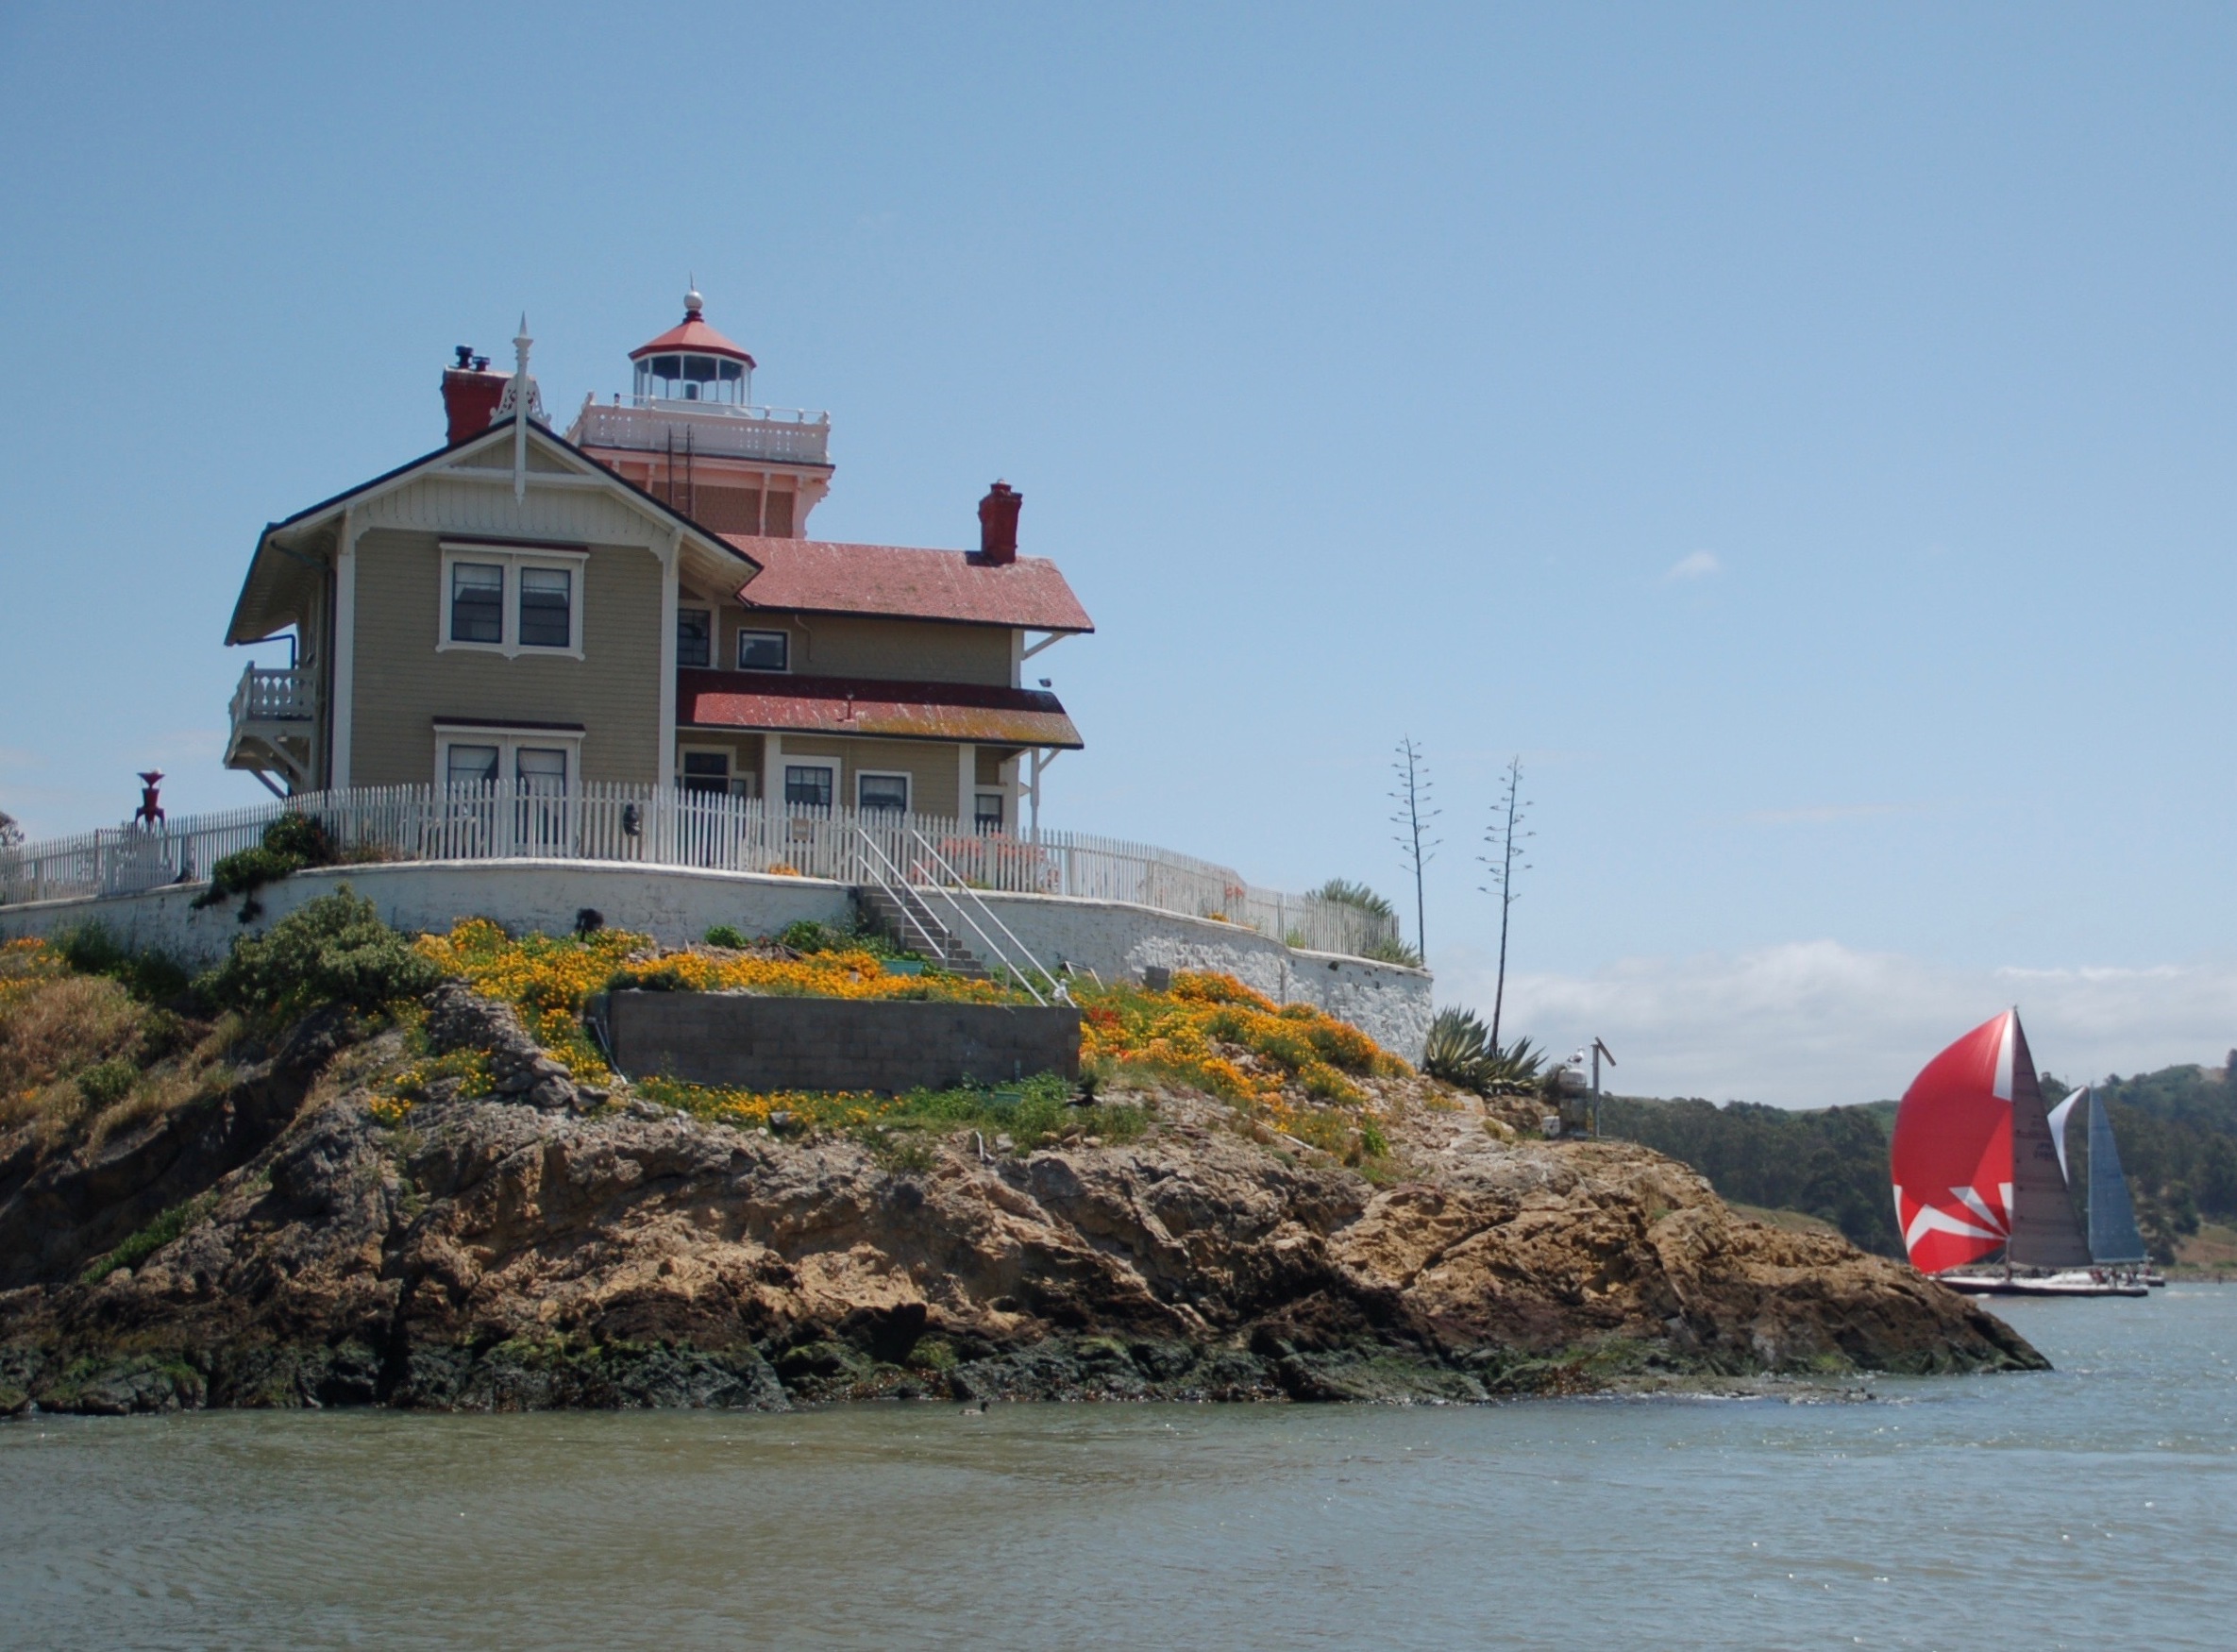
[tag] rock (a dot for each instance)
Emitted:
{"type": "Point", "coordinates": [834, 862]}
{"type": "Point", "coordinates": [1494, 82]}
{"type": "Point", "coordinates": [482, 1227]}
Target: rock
{"type": "Point", "coordinates": [498, 1255]}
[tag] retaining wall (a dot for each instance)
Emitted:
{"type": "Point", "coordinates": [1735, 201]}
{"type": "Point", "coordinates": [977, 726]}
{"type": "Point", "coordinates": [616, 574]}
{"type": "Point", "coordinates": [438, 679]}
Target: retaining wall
{"type": "Point", "coordinates": [827, 1044]}
{"type": "Point", "coordinates": [674, 904]}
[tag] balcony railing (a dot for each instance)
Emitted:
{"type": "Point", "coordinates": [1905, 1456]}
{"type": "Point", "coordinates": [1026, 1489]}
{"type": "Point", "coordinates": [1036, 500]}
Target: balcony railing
{"type": "Point", "coordinates": [712, 430]}
{"type": "Point", "coordinates": [287, 696]}
{"type": "Point", "coordinates": [646, 826]}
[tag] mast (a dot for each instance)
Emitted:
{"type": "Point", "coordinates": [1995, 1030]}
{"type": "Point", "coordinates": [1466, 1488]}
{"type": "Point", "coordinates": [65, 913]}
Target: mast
{"type": "Point", "coordinates": [2043, 1231]}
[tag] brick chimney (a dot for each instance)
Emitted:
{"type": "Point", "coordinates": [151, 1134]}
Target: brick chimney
{"type": "Point", "coordinates": [998, 524]}
{"type": "Point", "coordinates": [470, 395]}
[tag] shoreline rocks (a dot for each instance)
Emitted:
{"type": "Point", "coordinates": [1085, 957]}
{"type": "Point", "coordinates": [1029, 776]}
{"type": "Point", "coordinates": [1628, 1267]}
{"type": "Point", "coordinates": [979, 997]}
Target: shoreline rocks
{"type": "Point", "coordinates": [534, 1248]}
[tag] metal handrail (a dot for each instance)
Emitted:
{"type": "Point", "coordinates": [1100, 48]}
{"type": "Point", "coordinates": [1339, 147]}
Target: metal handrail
{"type": "Point", "coordinates": [897, 897]}
{"type": "Point", "coordinates": [1055, 986]}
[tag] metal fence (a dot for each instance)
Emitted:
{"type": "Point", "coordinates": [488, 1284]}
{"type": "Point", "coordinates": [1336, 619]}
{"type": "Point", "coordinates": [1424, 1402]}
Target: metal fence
{"type": "Point", "coordinates": [647, 826]}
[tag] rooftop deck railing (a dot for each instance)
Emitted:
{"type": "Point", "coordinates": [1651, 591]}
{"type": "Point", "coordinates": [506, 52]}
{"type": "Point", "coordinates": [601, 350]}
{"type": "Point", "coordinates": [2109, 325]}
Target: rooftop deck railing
{"type": "Point", "coordinates": [646, 826]}
{"type": "Point", "coordinates": [715, 431]}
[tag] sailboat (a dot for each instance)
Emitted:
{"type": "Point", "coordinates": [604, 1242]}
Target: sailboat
{"type": "Point", "coordinates": [1979, 1176]}
{"type": "Point", "coordinates": [2115, 1242]}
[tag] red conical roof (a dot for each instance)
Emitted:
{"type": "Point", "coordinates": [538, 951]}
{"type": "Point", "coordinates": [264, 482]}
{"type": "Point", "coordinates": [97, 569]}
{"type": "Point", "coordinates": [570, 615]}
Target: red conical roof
{"type": "Point", "coordinates": [693, 334]}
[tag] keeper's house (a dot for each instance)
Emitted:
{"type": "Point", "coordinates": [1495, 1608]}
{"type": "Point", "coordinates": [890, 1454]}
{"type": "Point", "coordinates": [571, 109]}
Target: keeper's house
{"type": "Point", "coordinates": [639, 601]}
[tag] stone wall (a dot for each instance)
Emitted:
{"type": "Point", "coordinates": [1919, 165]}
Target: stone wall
{"type": "Point", "coordinates": [833, 1044]}
{"type": "Point", "coordinates": [1388, 1001]}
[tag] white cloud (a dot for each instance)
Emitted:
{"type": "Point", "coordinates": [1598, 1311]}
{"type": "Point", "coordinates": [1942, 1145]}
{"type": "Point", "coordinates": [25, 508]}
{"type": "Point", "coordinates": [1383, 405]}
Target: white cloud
{"type": "Point", "coordinates": [1698, 566]}
{"type": "Point", "coordinates": [1813, 1023]}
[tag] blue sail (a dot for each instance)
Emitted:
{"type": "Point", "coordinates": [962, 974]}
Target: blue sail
{"type": "Point", "coordinates": [2112, 1220]}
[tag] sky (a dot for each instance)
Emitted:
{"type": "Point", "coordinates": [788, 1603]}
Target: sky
{"type": "Point", "coordinates": [1800, 435]}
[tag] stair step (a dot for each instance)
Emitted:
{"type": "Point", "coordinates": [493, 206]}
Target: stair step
{"type": "Point", "coordinates": [909, 921]}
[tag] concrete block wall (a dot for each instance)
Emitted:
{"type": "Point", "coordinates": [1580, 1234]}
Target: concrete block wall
{"type": "Point", "coordinates": [734, 1040]}
{"type": "Point", "coordinates": [1388, 1001]}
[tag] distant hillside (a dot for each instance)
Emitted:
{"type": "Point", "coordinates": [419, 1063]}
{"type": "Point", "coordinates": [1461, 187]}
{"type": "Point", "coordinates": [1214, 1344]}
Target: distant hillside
{"type": "Point", "coordinates": [2176, 1128]}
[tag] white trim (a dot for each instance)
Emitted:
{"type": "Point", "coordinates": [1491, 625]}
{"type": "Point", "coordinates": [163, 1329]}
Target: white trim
{"type": "Point", "coordinates": [508, 741]}
{"type": "Point", "coordinates": [696, 605]}
{"type": "Point", "coordinates": [1001, 803]}
{"type": "Point", "coordinates": [1048, 642]}
{"type": "Point", "coordinates": [966, 780]}
{"type": "Point", "coordinates": [346, 649]}
{"type": "Point", "coordinates": [832, 765]}
{"type": "Point", "coordinates": [738, 650]}
{"type": "Point", "coordinates": [908, 785]}
{"type": "Point", "coordinates": [513, 559]}
{"type": "Point", "coordinates": [670, 574]}
{"type": "Point", "coordinates": [772, 766]}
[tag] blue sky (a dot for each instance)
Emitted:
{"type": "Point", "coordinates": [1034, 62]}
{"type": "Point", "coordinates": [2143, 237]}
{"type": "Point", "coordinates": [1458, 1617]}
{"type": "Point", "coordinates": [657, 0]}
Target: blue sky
{"type": "Point", "coordinates": [1802, 434]}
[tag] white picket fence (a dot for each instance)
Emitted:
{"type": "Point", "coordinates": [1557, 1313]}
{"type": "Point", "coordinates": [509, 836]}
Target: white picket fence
{"type": "Point", "coordinates": [646, 826]}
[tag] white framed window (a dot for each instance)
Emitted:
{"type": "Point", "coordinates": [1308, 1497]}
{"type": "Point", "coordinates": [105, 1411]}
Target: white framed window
{"type": "Point", "coordinates": [764, 650]}
{"type": "Point", "coordinates": [811, 785]}
{"type": "Point", "coordinates": [987, 816]}
{"type": "Point", "coordinates": [512, 600]}
{"type": "Point", "coordinates": [881, 790]}
{"type": "Point", "coordinates": [711, 769]}
{"type": "Point", "coordinates": [542, 760]}
{"type": "Point", "coordinates": [694, 636]}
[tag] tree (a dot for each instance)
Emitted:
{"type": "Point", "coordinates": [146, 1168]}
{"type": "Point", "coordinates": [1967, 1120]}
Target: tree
{"type": "Point", "coordinates": [10, 833]}
{"type": "Point", "coordinates": [1416, 846]}
{"type": "Point", "coordinates": [1505, 839]}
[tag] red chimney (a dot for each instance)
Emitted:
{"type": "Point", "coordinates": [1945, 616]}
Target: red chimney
{"type": "Point", "coordinates": [470, 395]}
{"type": "Point", "coordinates": [998, 523]}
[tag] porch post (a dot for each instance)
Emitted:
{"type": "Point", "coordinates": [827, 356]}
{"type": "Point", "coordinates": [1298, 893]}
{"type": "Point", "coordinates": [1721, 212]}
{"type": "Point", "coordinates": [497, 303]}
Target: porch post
{"type": "Point", "coordinates": [344, 644]}
{"type": "Point", "coordinates": [966, 788]}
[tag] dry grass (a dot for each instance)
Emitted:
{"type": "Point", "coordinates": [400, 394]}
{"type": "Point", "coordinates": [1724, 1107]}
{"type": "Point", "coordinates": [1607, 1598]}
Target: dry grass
{"type": "Point", "coordinates": [82, 1058]}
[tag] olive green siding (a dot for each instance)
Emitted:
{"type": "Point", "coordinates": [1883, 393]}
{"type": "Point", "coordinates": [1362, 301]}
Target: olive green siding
{"type": "Point", "coordinates": [898, 651]}
{"type": "Point", "coordinates": [930, 765]}
{"type": "Point", "coordinates": [404, 684]}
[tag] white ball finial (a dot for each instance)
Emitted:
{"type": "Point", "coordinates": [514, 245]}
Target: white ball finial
{"type": "Point", "coordinates": [692, 303]}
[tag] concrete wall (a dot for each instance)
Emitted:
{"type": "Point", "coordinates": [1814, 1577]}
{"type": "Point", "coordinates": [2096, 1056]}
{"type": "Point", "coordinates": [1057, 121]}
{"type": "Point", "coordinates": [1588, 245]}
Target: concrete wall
{"type": "Point", "coordinates": [742, 1042]}
{"type": "Point", "coordinates": [1387, 1002]}
{"type": "Point", "coordinates": [671, 903]}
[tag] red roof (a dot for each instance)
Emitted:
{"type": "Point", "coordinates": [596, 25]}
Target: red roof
{"type": "Point", "coordinates": [867, 705]}
{"type": "Point", "coordinates": [816, 575]}
{"type": "Point", "coordinates": [694, 334]}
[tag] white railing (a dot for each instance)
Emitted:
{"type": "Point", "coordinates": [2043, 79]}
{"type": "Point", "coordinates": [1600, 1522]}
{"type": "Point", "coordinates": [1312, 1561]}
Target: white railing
{"type": "Point", "coordinates": [715, 431]}
{"type": "Point", "coordinates": [274, 696]}
{"type": "Point", "coordinates": [643, 825]}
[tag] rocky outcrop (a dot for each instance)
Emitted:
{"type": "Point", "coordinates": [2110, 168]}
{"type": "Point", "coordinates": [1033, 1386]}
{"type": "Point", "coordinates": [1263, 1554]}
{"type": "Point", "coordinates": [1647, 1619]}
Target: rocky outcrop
{"type": "Point", "coordinates": [534, 1248]}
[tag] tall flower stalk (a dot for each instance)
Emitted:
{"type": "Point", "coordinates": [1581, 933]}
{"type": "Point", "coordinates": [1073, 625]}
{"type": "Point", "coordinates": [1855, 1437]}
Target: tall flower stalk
{"type": "Point", "coordinates": [1413, 816]}
{"type": "Point", "coordinates": [1505, 839]}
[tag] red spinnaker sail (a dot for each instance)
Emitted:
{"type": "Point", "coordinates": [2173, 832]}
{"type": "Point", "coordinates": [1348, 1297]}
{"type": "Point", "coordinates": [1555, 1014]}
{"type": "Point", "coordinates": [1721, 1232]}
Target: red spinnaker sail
{"type": "Point", "coordinates": [1952, 1152]}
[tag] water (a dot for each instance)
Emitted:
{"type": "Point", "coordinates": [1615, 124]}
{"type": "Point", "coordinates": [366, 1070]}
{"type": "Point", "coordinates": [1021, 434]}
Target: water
{"type": "Point", "coordinates": [2092, 1506]}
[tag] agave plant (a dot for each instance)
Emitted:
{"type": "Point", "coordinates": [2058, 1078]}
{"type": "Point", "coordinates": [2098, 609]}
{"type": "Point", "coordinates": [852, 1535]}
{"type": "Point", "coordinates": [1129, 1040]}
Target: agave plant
{"type": "Point", "coordinates": [1458, 1049]}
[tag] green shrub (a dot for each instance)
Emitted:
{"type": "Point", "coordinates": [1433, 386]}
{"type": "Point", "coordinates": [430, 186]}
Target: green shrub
{"type": "Point", "coordinates": [152, 977]}
{"type": "Point", "coordinates": [152, 1238]}
{"type": "Point", "coordinates": [107, 1083]}
{"type": "Point", "coordinates": [290, 844]}
{"type": "Point", "coordinates": [1392, 951]}
{"type": "Point", "coordinates": [726, 935]}
{"type": "Point", "coordinates": [334, 950]}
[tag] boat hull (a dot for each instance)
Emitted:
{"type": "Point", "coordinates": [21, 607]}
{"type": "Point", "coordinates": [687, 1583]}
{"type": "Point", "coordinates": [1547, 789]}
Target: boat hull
{"type": "Point", "coordinates": [2074, 1281]}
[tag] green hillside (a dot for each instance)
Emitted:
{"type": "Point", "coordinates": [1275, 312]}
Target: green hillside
{"type": "Point", "coordinates": [2176, 1128]}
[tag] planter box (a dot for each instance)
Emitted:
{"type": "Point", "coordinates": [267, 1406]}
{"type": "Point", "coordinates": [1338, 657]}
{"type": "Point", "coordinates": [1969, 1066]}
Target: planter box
{"type": "Point", "coordinates": [742, 1042]}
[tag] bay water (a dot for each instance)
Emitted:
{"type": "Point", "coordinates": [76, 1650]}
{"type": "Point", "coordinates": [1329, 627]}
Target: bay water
{"type": "Point", "coordinates": [2093, 1506]}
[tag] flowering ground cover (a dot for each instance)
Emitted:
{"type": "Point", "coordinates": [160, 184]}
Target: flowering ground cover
{"type": "Point", "coordinates": [1294, 1067]}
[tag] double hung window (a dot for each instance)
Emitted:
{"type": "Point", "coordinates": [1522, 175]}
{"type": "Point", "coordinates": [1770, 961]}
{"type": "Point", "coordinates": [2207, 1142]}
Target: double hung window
{"type": "Point", "coordinates": [472, 765]}
{"type": "Point", "coordinates": [808, 785]}
{"type": "Point", "coordinates": [707, 771]}
{"type": "Point", "coordinates": [694, 636]}
{"type": "Point", "coordinates": [506, 600]}
{"type": "Point", "coordinates": [988, 817]}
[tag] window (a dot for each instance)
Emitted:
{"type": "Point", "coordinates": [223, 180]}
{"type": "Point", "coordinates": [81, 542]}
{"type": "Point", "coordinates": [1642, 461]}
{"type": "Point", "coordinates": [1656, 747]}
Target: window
{"type": "Point", "coordinates": [477, 603]}
{"type": "Point", "coordinates": [808, 784]}
{"type": "Point", "coordinates": [471, 766]}
{"type": "Point", "coordinates": [695, 637]}
{"type": "Point", "coordinates": [509, 602]}
{"type": "Point", "coordinates": [764, 650]}
{"type": "Point", "coordinates": [707, 771]}
{"type": "Point", "coordinates": [543, 762]}
{"type": "Point", "coordinates": [541, 769]}
{"type": "Point", "coordinates": [988, 819]}
{"type": "Point", "coordinates": [881, 792]}
{"type": "Point", "coordinates": [547, 601]}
